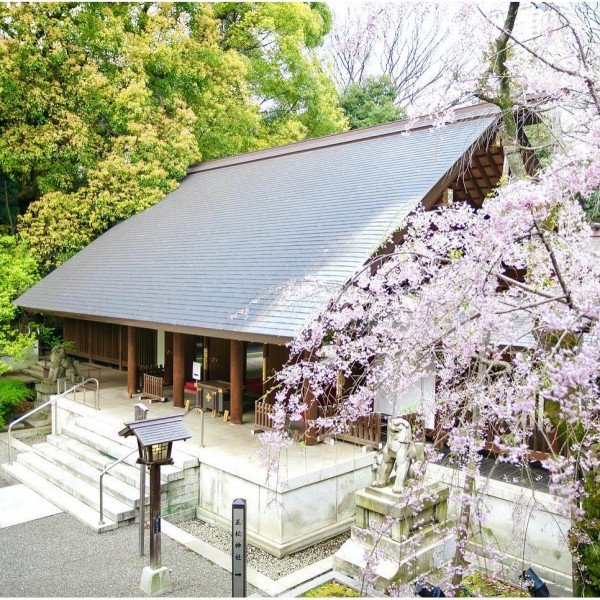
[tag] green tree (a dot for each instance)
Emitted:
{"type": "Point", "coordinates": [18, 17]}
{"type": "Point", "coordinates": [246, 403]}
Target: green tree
{"type": "Point", "coordinates": [297, 99]}
{"type": "Point", "coordinates": [17, 273]}
{"type": "Point", "coordinates": [370, 102]}
{"type": "Point", "coordinates": [103, 106]}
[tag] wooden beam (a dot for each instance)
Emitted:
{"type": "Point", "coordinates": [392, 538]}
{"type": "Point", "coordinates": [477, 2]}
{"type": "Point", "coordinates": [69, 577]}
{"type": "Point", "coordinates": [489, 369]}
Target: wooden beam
{"type": "Point", "coordinates": [132, 362]}
{"type": "Point", "coordinates": [481, 168]}
{"type": "Point", "coordinates": [236, 366]}
{"type": "Point", "coordinates": [178, 368]}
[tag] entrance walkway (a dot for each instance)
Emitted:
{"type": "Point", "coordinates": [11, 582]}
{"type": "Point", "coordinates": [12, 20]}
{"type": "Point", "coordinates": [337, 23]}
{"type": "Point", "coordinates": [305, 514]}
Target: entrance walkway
{"type": "Point", "coordinates": [21, 504]}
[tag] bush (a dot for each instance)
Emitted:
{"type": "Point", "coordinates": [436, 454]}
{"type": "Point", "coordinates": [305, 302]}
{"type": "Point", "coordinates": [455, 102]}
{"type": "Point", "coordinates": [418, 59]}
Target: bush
{"type": "Point", "coordinates": [13, 392]}
{"type": "Point", "coordinates": [332, 589]}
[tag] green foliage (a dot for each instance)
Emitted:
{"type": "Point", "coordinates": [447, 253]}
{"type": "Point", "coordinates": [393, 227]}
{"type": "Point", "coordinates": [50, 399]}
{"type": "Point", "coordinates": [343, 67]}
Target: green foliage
{"type": "Point", "coordinates": [12, 393]}
{"type": "Point", "coordinates": [591, 206]}
{"type": "Point", "coordinates": [49, 337]}
{"type": "Point", "coordinates": [541, 140]}
{"type": "Point", "coordinates": [17, 273]}
{"type": "Point", "coordinates": [103, 106]}
{"type": "Point", "coordinates": [9, 207]}
{"type": "Point", "coordinates": [332, 589]}
{"type": "Point", "coordinates": [371, 102]}
{"type": "Point", "coordinates": [297, 99]}
{"type": "Point", "coordinates": [478, 585]}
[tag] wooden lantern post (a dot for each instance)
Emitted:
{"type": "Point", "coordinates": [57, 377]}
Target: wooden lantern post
{"type": "Point", "coordinates": [155, 439]}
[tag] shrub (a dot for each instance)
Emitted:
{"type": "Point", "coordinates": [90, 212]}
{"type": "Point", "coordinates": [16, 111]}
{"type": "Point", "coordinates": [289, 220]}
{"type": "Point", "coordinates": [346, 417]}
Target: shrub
{"type": "Point", "coordinates": [332, 589]}
{"type": "Point", "coordinates": [13, 392]}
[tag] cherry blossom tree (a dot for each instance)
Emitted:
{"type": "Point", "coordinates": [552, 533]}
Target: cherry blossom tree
{"type": "Point", "coordinates": [501, 304]}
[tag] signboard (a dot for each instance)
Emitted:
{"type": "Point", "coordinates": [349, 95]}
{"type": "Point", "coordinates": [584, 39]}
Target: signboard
{"type": "Point", "coordinates": [238, 548]}
{"type": "Point", "coordinates": [196, 370]}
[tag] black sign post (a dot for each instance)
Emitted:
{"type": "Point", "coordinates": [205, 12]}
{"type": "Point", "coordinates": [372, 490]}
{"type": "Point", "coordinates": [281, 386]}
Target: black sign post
{"type": "Point", "coordinates": [238, 548]}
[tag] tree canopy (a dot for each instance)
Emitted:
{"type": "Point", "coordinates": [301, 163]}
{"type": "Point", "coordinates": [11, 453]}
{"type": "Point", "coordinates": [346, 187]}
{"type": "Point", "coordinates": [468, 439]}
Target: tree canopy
{"type": "Point", "coordinates": [103, 106]}
{"type": "Point", "coordinates": [371, 101]}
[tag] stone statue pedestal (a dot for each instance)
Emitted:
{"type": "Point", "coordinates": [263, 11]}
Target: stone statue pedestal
{"type": "Point", "coordinates": [413, 545]}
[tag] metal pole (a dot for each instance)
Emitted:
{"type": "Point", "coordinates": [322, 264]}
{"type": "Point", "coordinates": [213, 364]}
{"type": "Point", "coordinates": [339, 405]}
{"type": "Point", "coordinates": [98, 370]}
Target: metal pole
{"type": "Point", "coordinates": [202, 429]}
{"type": "Point", "coordinates": [142, 506]}
{"type": "Point", "coordinates": [54, 412]}
{"type": "Point", "coordinates": [101, 520]}
{"type": "Point", "coordinates": [155, 516]}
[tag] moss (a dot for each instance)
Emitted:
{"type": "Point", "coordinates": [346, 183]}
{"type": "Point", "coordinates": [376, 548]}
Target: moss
{"type": "Point", "coordinates": [477, 585]}
{"type": "Point", "coordinates": [332, 589]}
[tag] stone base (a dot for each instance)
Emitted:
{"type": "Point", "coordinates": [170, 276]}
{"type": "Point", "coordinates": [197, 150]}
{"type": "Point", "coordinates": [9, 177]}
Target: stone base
{"type": "Point", "coordinates": [416, 542]}
{"type": "Point", "coordinates": [156, 581]}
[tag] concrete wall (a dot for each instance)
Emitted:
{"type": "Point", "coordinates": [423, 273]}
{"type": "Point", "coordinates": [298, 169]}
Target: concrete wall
{"type": "Point", "coordinates": [285, 518]}
{"type": "Point", "coordinates": [525, 526]}
{"type": "Point", "coordinates": [27, 360]}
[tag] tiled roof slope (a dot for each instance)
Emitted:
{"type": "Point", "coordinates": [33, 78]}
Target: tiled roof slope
{"type": "Point", "coordinates": [248, 247]}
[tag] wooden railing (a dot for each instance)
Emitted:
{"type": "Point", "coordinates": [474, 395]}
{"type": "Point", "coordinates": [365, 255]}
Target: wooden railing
{"type": "Point", "coordinates": [153, 370]}
{"type": "Point", "coordinates": [262, 415]}
{"type": "Point", "coordinates": [153, 388]}
{"type": "Point", "coordinates": [366, 431]}
{"type": "Point", "coordinates": [542, 444]}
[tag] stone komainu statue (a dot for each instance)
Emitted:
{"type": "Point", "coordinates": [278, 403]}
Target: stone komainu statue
{"type": "Point", "coordinates": [62, 365]}
{"type": "Point", "coordinates": [399, 451]}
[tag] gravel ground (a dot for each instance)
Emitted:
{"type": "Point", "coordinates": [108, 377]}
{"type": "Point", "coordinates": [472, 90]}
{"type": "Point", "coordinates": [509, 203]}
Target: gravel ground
{"type": "Point", "coordinates": [260, 560]}
{"type": "Point", "coordinates": [59, 556]}
{"type": "Point", "coordinates": [36, 438]}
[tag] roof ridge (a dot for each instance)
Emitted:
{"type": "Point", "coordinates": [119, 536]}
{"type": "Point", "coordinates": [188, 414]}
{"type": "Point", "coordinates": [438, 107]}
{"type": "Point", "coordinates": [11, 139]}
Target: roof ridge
{"type": "Point", "coordinates": [466, 113]}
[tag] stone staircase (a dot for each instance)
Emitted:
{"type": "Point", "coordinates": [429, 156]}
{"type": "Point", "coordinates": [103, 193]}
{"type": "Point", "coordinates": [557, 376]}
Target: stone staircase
{"type": "Point", "coordinates": [66, 471]}
{"type": "Point", "coordinates": [34, 371]}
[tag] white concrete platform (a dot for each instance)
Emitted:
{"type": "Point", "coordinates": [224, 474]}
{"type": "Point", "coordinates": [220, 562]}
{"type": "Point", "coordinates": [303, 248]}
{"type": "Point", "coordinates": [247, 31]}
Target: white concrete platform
{"type": "Point", "coordinates": [21, 504]}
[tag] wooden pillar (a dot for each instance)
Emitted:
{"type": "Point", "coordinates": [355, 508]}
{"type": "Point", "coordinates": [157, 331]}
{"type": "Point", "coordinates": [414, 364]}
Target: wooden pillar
{"type": "Point", "coordinates": [168, 358]}
{"type": "Point", "coordinates": [120, 349]}
{"type": "Point", "coordinates": [132, 360]}
{"type": "Point", "coordinates": [90, 344]}
{"type": "Point", "coordinates": [237, 381]}
{"type": "Point", "coordinates": [178, 368]}
{"type": "Point", "coordinates": [206, 359]}
{"type": "Point", "coordinates": [155, 515]}
{"type": "Point", "coordinates": [265, 367]}
{"type": "Point", "coordinates": [312, 413]}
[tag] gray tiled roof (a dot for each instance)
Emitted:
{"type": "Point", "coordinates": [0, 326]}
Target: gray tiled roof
{"type": "Point", "coordinates": [248, 247]}
{"type": "Point", "coordinates": [157, 431]}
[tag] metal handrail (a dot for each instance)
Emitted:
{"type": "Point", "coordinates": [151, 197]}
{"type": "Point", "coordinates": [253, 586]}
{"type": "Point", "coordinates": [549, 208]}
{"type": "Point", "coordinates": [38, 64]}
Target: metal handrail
{"type": "Point", "coordinates": [106, 470]}
{"type": "Point", "coordinates": [51, 401]}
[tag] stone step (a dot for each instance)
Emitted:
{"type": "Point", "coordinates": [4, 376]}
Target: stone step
{"type": "Point", "coordinates": [181, 456]}
{"type": "Point", "coordinates": [112, 486]}
{"type": "Point", "coordinates": [182, 460]}
{"type": "Point", "coordinates": [114, 509]}
{"type": "Point", "coordinates": [114, 449]}
{"type": "Point", "coordinates": [81, 511]}
{"type": "Point", "coordinates": [34, 370]}
{"type": "Point", "coordinates": [128, 473]}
